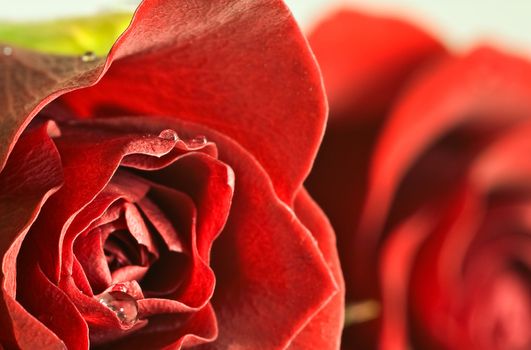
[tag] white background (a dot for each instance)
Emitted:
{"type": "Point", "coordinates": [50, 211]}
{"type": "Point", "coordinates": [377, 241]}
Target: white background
{"type": "Point", "coordinates": [460, 22]}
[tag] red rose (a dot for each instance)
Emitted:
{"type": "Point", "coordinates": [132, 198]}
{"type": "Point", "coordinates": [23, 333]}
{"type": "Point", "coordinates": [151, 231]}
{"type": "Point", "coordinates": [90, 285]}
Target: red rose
{"type": "Point", "coordinates": [426, 177]}
{"type": "Point", "coordinates": [121, 176]}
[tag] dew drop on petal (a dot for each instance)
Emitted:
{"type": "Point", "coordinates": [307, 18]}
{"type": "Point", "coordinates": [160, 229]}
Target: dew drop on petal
{"type": "Point", "coordinates": [88, 56]}
{"type": "Point", "coordinates": [119, 287]}
{"type": "Point", "coordinates": [7, 50]}
{"type": "Point", "coordinates": [122, 304]}
{"type": "Point", "coordinates": [198, 141]}
{"type": "Point", "coordinates": [169, 134]}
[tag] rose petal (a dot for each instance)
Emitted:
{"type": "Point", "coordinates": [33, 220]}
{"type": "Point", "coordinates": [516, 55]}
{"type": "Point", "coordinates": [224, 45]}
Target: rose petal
{"type": "Point", "coordinates": [398, 256]}
{"type": "Point", "coordinates": [20, 203]}
{"type": "Point", "coordinates": [451, 98]}
{"type": "Point", "coordinates": [28, 332]}
{"type": "Point", "coordinates": [162, 224]}
{"type": "Point", "coordinates": [323, 331]}
{"type": "Point", "coordinates": [210, 187]}
{"type": "Point", "coordinates": [263, 261]}
{"type": "Point", "coordinates": [174, 331]}
{"type": "Point", "coordinates": [58, 313]}
{"type": "Point", "coordinates": [361, 90]}
{"type": "Point", "coordinates": [198, 286]}
{"type": "Point", "coordinates": [446, 238]}
{"type": "Point", "coordinates": [264, 257]}
{"type": "Point", "coordinates": [208, 180]}
{"type": "Point", "coordinates": [84, 162]}
{"type": "Point", "coordinates": [454, 95]}
{"type": "Point", "coordinates": [80, 152]}
{"type": "Point", "coordinates": [88, 250]}
{"type": "Point", "coordinates": [80, 278]}
{"type": "Point", "coordinates": [287, 167]}
{"type": "Point", "coordinates": [363, 73]}
{"type": "Point", "coordinates": [103, 323]}
{"type": "Point", "coordinates": [503, 167]}
{"type": "Point", "coordinates": [505, 164]}
{"type": "Point", "coordinates": [450, 280]}
{"type": "Point", "coordinates": [29, 82]}
{"type": "Point", "coordinates": [253, 77]}
{"type": "Point", "coordinates": [249, 61]}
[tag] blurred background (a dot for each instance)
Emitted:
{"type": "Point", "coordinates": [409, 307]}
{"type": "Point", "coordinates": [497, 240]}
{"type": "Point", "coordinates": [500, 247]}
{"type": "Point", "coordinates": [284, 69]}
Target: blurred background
{"type": "Point", "coordinates": [459, 22]}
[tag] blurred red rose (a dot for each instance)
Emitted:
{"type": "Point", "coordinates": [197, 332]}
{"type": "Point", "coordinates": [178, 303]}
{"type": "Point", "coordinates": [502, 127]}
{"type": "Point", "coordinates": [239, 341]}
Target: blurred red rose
{"type": "Point", "coordinates": [120, 176]}
{"type": "Point", "coordinates": [425, 173]}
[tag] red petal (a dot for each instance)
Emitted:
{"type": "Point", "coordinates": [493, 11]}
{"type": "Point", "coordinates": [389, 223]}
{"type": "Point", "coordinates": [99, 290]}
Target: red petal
{"type": "Point", "coordinates": [323, 331]}
{"type": "Point", "coordinates": [198, 287]}
{"type": "Point", "coordinates": [246, 72]}
{"type": "Point", "coordinates": [454, 94]}
{"type": "Point", "coordinates": [88, 250]}
{"type": "Point", "coordinates": [83, 152]}
{"type": "Point", "coordinates": [58, 313]}
{"type": "Point", "coordinates": [457, 93]}
{"type": "Point", "coordinates": [20, 203]}
{"type": "Point", "coordinates": [365, 60]}
{"type": "Point", "coordinates": [468, 259]}
{"type": "Point", "coordinates": [29, 82]}
{"type": "Point", "coordinates": [89, 158]}
{"type": "Point", "coordinates": [208, 182]}
{"type": "Point", "coordinates": [271, 275]}
{"type": "Point", "coordinates": [210, 188]}
{"type": "Point", "coordinates": [162, 224]}
{"type": "Point", "coordinates": [398, 257]}
{"type": "Point", "coordinates": [173, 332]}
{"type": "Point", "coordinates": [440, 284]}
{"type": "Point", "coordinates": [505, 163]}
{"type": "Point", "coordinates": [256, 97]}
{"type": "Point", "coordinates": [28, 332]}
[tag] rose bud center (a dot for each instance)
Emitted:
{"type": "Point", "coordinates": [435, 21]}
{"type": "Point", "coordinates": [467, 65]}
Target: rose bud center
{"type": "Point", "coordinates": [129, 252]}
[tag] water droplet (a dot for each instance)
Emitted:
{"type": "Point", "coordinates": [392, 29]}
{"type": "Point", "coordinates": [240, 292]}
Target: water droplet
{"type": "Point", "coordinates": [7, 50]}
{"type": "Point", "coordinates": [88, 56]}
{"type": "Point", "coordinates": [119, 287]}
{"type": "Point", "coordinates": [197, 141]}
{"type": "Point", "coordinates": [122, 304]}
{"type": "Point", "coordinates": [53, 129]}
{"type": "Point", "coordinates": [169, 134]}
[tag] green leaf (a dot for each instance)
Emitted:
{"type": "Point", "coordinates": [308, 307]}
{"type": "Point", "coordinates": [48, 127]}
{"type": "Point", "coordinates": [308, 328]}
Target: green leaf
{"type": "Point", "coordinates": [70, 36]}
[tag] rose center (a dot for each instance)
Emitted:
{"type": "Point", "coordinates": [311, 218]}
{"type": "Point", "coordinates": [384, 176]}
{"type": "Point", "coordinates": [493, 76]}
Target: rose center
{"type": "Point", "coordinates": [133, 250]}
{"type": "Point", "coordinates": [120, 250]}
